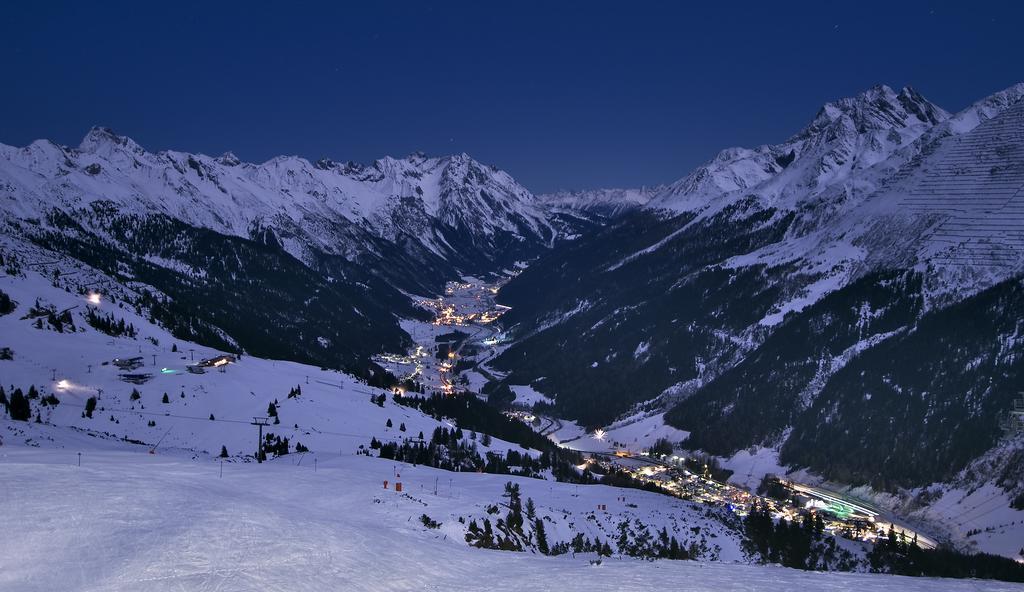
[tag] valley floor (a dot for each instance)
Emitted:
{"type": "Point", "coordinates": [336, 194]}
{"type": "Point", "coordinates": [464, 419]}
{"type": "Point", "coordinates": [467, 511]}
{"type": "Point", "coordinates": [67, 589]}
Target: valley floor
{"type": "Point", "coordinates": [128, 520]}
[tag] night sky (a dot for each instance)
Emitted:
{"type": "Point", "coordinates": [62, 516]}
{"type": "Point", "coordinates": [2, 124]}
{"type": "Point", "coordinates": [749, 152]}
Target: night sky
{"type": "Point", "coordinates": [577, 95]}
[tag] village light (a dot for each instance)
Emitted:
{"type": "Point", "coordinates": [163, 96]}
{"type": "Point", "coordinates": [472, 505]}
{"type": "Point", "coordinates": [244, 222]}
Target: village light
{"type": "Point", "coordinates": [599, 434]}
{"type": "Point", "coordinates": [93, 298]}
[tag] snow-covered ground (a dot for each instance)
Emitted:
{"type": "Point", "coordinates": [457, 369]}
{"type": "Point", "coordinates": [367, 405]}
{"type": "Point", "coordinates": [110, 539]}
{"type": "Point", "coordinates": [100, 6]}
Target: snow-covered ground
{"type": "Point", "coordinates": [526, 395]}
{"type": "Point", "coordinates": [131, 521]}
{"type": "Point", "coordinates": [749, 466]}
{"type": "Point", "coordinates": [635, 433]}
{"type": "Point", "coordinates": [982, 516]}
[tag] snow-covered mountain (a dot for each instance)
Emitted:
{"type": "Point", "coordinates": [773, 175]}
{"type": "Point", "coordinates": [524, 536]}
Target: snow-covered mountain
{"type": "Point", "coordinates": [288, 258]}
{"type": "Point", "coordinates": [443, 216]}
{"type": "Point", "coordinates": [604, 202]}
{"type": "Point", "coordinates": [777, 296]}
{"type": "Point", "coordinates": [846, 136]}
{"type": "Point", "coordinates": [880, 179]}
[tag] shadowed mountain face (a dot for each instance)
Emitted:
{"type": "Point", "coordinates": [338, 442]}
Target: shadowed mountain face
{"type": "Point", "coordinates": [777, 295]}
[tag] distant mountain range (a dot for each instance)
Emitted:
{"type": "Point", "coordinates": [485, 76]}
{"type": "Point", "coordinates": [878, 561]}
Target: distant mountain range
{"type": "Point", "coordinates": [444, 215]}
{"type": "Point", "coordinates": [602, 202]}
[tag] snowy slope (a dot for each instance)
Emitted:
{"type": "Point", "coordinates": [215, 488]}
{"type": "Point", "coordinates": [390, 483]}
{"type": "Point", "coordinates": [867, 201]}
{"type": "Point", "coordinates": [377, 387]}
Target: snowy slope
{"type": "Point", "coordinates": [125, 521]}
{"type": "Point", "coordinates": [333, 413]}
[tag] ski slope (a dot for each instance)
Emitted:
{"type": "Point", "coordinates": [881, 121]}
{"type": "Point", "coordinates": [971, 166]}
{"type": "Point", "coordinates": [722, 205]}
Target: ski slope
{"type": "Point", "coordinates": [133, 521]}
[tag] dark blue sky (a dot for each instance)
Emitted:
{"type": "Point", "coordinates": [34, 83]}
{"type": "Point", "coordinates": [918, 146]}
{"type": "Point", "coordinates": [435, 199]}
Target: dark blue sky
{"type": "Point", "coordinates": [562, 95]}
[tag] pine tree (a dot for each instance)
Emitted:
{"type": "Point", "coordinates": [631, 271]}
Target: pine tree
{"type": "Point", "coordinates": [674, 550]}
{"type": "Point", "coordinates": [542, 538]}
{"type": "Point", "coordinates": [90, 406]}
{"type": "Point", "coordinates": [19, 407]}
{"type": "Point", "coordinates": [514, 519]}
{"type": "Point", "coordinates": [401, 427]}
{"type": "Point", "coordinates": [223, 451]}
{"type": "Point", "coordinates": [165, 399]}
{"type": "Point", "coordinates": [388, 424]}
{"type": "Point", "coordinates": [6, 304]}
{"type": "Point", "coordinates": [271, 410]}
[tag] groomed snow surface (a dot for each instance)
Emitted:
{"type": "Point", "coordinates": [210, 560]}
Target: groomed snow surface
{"type": "Point", "coordinates": [134, 521]}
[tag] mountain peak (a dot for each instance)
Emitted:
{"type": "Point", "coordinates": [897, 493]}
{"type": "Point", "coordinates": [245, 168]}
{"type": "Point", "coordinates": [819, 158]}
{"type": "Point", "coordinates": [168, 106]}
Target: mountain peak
{"type": "Point", "coordinates": [877, 108]}
{"type": "Point", "coordinates": [926, 111]}
{"type": "Point", "coordinates": [100, 137]}
{"type": "Point", "coordinates": [229, 159]}
{"type": "Point", "coordinates": [417, 157]}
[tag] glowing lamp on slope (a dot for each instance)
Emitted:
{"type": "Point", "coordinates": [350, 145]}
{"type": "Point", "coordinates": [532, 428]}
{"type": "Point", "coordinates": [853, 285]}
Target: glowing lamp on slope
{"type": "Point", "coordinates": [94, 298]}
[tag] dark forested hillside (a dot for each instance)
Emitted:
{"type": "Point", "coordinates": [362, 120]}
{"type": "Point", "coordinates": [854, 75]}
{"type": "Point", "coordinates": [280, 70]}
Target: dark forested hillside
{"type": "Point", "coordinates": [635, 326]}
{"type": "Point", "coordinates": [920, 406]}
{"type": "Point", "coordinates": [756, 400]}
{"type": "Point", "coordinates": [223, 290]}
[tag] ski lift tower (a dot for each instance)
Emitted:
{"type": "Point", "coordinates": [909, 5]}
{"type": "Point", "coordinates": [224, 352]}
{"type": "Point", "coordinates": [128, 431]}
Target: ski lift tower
{"type": "Point", "coordinates": [1013, 423]}
{"type": "Point", "coordinates": [260, 422]}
